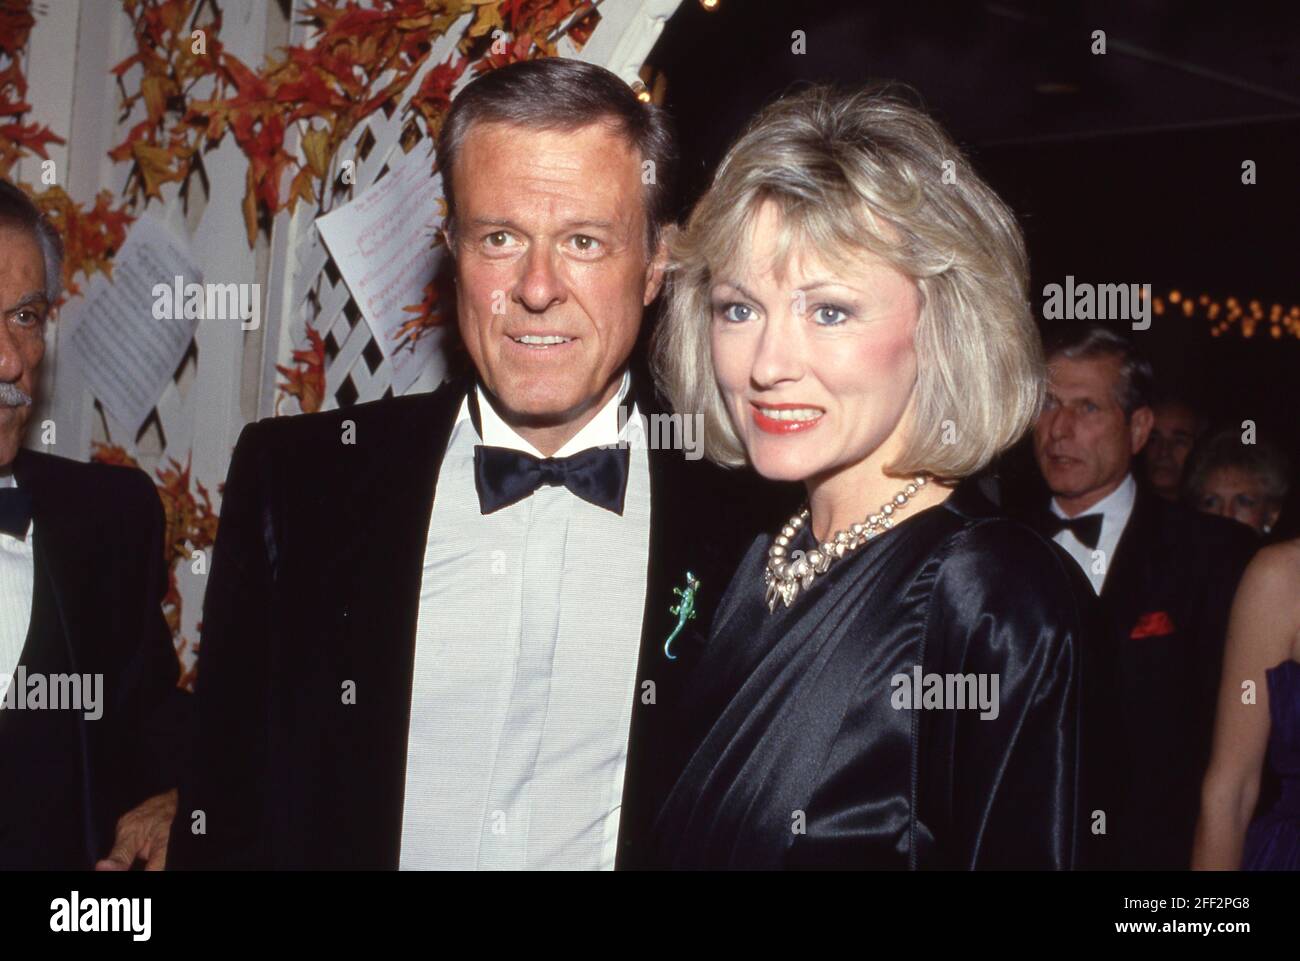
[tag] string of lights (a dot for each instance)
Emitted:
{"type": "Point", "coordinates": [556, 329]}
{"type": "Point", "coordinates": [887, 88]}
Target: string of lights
{"type": "Point", "coordinates": [1247, 317]}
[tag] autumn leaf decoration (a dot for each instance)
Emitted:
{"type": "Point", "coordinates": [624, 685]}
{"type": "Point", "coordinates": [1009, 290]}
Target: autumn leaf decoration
{"type": "Point", "coordinates": [306, 378]}
{"type": "Point", "coordinates": [90, 236]}
{"type": "Point", "coordinates": [359, 59]}
{"type": "Point", "coordinates": [16, 137]}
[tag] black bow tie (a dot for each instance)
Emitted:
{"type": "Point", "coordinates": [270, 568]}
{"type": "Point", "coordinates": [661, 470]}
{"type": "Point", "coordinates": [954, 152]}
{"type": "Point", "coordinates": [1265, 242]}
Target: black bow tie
{"type": "Point", "coordinates": [1086, 527]}
{"type": "Point", "coordinates": [504, 476]}
{"type": "Point", "coordinates": [15, 512]}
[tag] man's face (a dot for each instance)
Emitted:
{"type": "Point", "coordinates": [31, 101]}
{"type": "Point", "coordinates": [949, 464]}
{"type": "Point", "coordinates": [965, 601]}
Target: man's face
{"type": "Point", "coordinates": [551, 266]}
{"type": "Point", "coordinates": [1083, 441]}
{"type": "Point", "coordinates": [23, 309]}
{"type": "Point", "coordinates": [1171, 441]}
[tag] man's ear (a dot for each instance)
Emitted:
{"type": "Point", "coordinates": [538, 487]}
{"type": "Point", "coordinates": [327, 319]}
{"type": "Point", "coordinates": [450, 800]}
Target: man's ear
{"type": "Point", "coordinates": [1139, 428]}
{"type": "Point", "coordinates": [654, 278]}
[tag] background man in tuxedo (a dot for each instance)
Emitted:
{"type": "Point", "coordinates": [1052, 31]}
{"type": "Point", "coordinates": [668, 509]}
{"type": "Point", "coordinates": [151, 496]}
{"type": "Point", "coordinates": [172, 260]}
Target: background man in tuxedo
{"type": "Point", "coordinates": [1165, 576]}
{"type": "Point", "coordinates": [443, 645]}
{"type": "Point", "coordinates": [1175, 429]}
{"type": "Point", "coordinates": [81, 587]}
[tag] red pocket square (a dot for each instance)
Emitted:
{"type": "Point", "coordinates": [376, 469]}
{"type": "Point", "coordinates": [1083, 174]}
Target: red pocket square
{"type": "Point", "coordinates": [1155, 624]}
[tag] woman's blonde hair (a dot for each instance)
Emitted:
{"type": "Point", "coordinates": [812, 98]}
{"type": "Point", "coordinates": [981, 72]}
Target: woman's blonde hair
{"type": "Point", "coordinates": [866, 170]}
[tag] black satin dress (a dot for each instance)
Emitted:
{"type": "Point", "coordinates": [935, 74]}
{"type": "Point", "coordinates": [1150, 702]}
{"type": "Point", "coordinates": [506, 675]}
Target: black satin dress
{"type": "Point", "coordinates": [803, 759]}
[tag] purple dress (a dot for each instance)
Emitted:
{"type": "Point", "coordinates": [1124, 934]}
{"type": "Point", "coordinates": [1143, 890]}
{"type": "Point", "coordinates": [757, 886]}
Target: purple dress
{"type": "Point", "coordinates": [1273, 841]}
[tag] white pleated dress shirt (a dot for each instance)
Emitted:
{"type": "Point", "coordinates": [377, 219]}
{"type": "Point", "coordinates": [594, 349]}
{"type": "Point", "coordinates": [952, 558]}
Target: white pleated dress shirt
{"type": "Point", "coordinates": [17, 579]}
{"type": "Point", "coordinates": [527, 640]}
{"type": "Point", "coordinates": [1115, 509]}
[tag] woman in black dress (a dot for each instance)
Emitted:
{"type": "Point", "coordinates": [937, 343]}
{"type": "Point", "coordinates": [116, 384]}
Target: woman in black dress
{"type": "Point", "coordinates": [892, 680]}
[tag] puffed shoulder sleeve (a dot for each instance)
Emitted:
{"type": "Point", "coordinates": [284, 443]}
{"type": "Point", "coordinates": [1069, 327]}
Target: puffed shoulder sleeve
{"type": "Point", "coordinates": [1006, 624]}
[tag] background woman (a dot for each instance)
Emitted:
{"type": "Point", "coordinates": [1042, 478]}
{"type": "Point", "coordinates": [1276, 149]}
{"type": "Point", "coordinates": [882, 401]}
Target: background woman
{"type": "Point", "coordinates": [1246, 482]}
{"type": "Point", "coordinates": [1256, 722]}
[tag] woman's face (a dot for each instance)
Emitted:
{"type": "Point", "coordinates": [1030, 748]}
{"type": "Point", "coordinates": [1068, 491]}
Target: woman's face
{"type": "Point", "coordinates": [1232, 492]}
{"type": "Point", "coordinates": [817, 367]}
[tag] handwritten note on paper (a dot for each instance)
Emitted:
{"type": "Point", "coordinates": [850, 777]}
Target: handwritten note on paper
{"type": "Point", "coordinates": [115, 335]}
{"type": "Point", "coordinates": [382, 243]}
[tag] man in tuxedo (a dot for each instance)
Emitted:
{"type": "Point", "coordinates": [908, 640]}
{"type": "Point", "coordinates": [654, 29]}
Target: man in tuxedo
{"type": "Point", "coordinates": [92, 723]}
{"type": "Point", "coordinates": [436, 633]}
{"type": "Point", "coordinates": [1165, 576]}
{"type": "Point", "coordinates": [1175, 429]}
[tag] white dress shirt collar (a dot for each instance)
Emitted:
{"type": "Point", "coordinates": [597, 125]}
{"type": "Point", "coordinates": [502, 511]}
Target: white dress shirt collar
{"type": "Point", "coordinates": [1115, 507]}
{"type": "Point", "coordinates": [603, 430]}
{"type": "Point", "coordinates": [9, 480]}
{"type": "Point", "coordinates": [17, 577]}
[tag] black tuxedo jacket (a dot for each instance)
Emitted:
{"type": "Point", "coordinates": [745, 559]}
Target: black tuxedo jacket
{"type": "Point", "coordinates": [100, 578]}
{"type": "Point", "coordinates": [315, 582]}
{"type": "Point", "coordinates": [1164, 612]}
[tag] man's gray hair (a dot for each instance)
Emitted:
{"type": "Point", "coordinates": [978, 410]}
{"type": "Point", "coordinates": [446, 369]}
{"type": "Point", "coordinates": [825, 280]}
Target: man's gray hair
{"type": "Point", "coordinates": [555, 93]}
{"type": "Point", "coordinates": [18, 211]}
{"type": "Point", "coordinates": [1085, 341]}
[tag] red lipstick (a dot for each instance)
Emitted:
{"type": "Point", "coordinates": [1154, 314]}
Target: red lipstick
{"type": "Point", "coordinates": [772, 425]}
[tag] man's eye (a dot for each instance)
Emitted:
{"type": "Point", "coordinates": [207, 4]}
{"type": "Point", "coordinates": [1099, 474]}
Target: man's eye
{"type": "Point", "coordinates": [27, 318]}
{"type": "Point", "coordinates": [499, 238]}
{"type": "Point", "coordinates": [1089, 407]}
{"type": "Point", "coordinates": [830, 316]}
{"type": "Point", "coordinates": [736, 313]}
{"type": "Point", "coordinates": [585, 244]}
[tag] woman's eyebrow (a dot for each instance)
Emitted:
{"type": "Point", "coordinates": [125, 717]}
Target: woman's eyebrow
{"type": "Point", "coordinates": [817, 284]}
{"type": "Point", "coordinates": [736, 287]}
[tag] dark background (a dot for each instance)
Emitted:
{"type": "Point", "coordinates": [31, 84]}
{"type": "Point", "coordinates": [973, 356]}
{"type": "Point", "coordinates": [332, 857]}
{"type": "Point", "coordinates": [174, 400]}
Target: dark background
{"type": "Point", "coordinates": [1123, 168]}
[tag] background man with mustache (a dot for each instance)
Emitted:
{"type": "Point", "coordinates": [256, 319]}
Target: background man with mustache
{"type": "Point", "coordinates": [1166, 577]}
{"type": "Point", "coordinates": [443, 645]}
{"type": "Point", "coordinates": [82, 579]}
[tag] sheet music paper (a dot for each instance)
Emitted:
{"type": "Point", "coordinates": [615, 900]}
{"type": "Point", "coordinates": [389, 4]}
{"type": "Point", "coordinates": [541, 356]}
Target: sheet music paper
{"type": "Point", "coordinates": [126, 352]}
{"type": "Point", "coordinates": [382, 243]}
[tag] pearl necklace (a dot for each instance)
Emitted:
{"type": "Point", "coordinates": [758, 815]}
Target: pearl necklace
{"type": "Point", "coordinates": [784, 577]}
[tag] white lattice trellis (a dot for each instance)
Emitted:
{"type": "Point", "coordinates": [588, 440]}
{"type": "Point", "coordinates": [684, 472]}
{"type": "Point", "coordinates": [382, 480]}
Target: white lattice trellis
{"type": "Point", "coordinates": [200, 413]}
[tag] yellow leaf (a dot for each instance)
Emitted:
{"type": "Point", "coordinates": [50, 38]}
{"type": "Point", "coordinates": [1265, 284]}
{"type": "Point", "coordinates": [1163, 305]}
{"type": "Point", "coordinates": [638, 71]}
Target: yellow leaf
{"type": "Point", "coordinates": [155, 165]}
{"type": "Point", "coordinates": [155, 88]}
{"type": "Point", "coordinates": [301, 188]}
{"type": "Point", "coordinates": [487, 17]}
{"type": "Point", "coordinates": [315, 145]}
